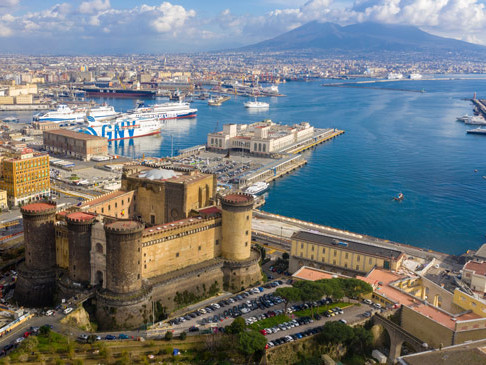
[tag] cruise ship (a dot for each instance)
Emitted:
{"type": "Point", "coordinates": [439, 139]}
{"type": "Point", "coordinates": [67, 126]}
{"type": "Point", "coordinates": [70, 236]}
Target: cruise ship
{"type": "Point", "coordinates": [163, 111]}
{"type": "Point", "coordinates": [257, 188]}
{"type": "Point", "coordinates": [119, 129]}
{"type": "Point", "coordinates": [66, 115]}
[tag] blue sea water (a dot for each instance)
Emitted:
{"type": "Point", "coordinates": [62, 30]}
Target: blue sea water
{"type": "Point", "coordinates": [395, 141]}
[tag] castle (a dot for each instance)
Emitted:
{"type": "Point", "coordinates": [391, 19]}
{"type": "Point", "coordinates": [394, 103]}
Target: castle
{"type": "Point", "coordinates": [159, 237]}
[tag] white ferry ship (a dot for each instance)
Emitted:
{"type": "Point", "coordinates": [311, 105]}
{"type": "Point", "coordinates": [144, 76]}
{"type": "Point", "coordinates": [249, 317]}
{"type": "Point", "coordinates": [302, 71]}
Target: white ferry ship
{"type": "Point", "coordinates": [257, 188]}
{"type": "Point", "coordinates": [66, 115]}
{"type": "Point", "coordinates": [163, 111]}
{"type": "Point", "coordinates": [121, 129]}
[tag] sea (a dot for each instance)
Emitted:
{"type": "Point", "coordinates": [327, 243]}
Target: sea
{"type": "Point", "coordinates": [399, 137]}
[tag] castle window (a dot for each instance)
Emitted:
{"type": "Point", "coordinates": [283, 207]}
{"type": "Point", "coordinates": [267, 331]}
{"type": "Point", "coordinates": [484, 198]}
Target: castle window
{"type": "Point", "coordinates": [99, 248]}
{"type": "Point", "coordinates": [177, 254]}
{"type": "Point", "coordinates": [246, 244]}
{"type": "Point", "coordinates": [217, 242]}
{"type": "Point", "coordinates": [346, 256]}
{"type": "Point", "coordinates": [109, 207]}
{"type": "Point", "coordinates": [312, 248]}
{"type": "Point", "coordinates": [144, 266]}
{"type": "Point", "coordinates": [324, 250]}
{"type": "Point", "coordinates": [138, 276]}
{"type": "Point", "coordinates": [357, 267]}
{"type": "Point", "coordinates": [123, 202]}
{"type": "Point", "coordinates": [301, 245]}
{"type": "Point", "coordinates": [371, 261]}
{"type": "Point", "coordinates": [358, 258]}
{"type": "Point", "coordinates": [247, 217]}
{"type": "Point", "coordinates": [199, 248]}
{"type": "Point", "coordinates": [334, 262]}
{"type": "Point", "coordinates": [246, 233]}
{"type": "Point", "coordinates": [116, 205]}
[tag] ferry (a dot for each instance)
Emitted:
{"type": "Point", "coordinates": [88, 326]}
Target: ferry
{"type": "Point", "coordinates": [120, 129]}
{"type": "Point", "coordinates": [65, 115]}
{"type": "Point", "coordinates": [163, 111]}
{"type": "Point", "coordinates": [257, 188]}
{"type": "Point", "coordinates": [256, 104]}
{"type": "Point", "coordinates": [477, 131]}
{"type": "Point", "coordinates": [476, 120]}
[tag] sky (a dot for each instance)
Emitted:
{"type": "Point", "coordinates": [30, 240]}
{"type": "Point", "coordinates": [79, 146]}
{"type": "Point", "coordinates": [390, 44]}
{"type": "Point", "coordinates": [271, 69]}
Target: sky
{"type": "Point", "coordinates": [154, 26]}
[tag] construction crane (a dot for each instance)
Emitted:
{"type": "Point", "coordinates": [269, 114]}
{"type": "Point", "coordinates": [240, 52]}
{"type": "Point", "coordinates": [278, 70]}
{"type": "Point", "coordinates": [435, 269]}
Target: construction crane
{"type": "Point", "coordinates": [121, 83]}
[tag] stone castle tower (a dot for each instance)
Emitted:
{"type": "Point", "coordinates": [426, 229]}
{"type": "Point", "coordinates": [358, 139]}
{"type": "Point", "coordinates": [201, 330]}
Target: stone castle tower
{"type": "Point", "coordinates": [37, 275]}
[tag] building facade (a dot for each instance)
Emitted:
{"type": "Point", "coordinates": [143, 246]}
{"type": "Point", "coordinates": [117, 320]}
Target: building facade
{"type": "Point", "coordinates": [3, 199]}
{"type": "Point", "coordinates": [132, 263]}
{"type": "Point", "coordinates": [81, 146]}
{"type": "Point", "coordinates": [261, 138]}
{"type": "Point", "coordinates": [25, 176]}
{"type": "Point", "coordinates": [342, 256]}
{"type": "Point", "coordinates": [474, 275]}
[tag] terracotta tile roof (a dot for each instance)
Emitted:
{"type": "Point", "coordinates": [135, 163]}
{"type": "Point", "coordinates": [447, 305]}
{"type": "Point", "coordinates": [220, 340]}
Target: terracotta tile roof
{"type": "Point", "coordinates": [38, 207]}
{"type": "Point", "coordinates": [479, 268]}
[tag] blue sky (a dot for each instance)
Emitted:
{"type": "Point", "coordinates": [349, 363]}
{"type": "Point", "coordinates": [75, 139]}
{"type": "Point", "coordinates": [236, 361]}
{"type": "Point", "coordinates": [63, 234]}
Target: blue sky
{"type": "Point", "coordinates": [154, 26]}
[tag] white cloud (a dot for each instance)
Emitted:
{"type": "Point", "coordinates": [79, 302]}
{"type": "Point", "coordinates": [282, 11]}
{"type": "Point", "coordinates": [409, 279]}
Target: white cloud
{"type": "Point", "coordinates": [168, 17]}
{"type": "Point", "coordinates": [8, 3]}
{"type": "Point", "coordinates": [94, 6]}
{"type": "Point", "coordinates": [5, 31]}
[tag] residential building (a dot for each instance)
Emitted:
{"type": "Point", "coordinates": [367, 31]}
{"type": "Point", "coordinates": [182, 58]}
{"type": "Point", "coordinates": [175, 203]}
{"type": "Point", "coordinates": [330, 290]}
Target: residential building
{"type": "Point", "coordinates": [474, 275]}
{"type": "Point", "coordinates": [343, 256]}
{"type": "Point", "coordinates": [3, 199]}
{"type": "Point", "coordinates": [25, 176]}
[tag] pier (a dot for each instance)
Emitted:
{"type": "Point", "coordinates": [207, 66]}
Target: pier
{"type": "Point", "coordinates": [317, 139]}
{"type": "Point", "coordinates": [480, 105]}
{"type": "Point", "coordinates": [353, 85]}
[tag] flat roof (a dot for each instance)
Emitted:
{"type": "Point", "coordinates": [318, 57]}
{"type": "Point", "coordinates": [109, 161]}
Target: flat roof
{"type": "Point", "coordinates": [73, 134]}
{"type": "Point", "coordinates": [322, 239]}
{"type": "Point", "coordinates": [313, 274]}
{"type": "Point", "coordinates": [470, 353]}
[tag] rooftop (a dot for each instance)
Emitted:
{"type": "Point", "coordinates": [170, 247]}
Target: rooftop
{"type": "Point", "coordinates": [80, 216]}
{"type": "Point", "coordinates": [322, 239]}
{"type": "Point", "coordinates": [312, 274]}
{"type": "Point", "coordinates": [124, 225]}
{"type": "Point", "coordinates": [479, 268]}
{"type": "Point", "coordinates": [481, 252]}
{"type": "Point", "coordinates": [470, 353]}
{"type": "Point", "coordinates": [104, 198]}
{"type": "Point", "coordinates": [38, 207]}
{"type": "Point", "coordinates": [73, 134]}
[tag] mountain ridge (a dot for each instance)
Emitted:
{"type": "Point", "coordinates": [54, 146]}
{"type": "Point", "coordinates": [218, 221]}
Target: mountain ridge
{"type": "Point", "coordinates": [362, 38]}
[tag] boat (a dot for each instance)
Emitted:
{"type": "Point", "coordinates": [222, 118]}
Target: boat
{"type": "Point", "coordinates": [109, 92]}
{"type": "Point", "coordinates": [63, 114]}
{"type": "Point", "coordinates": [120, 129]}
{"type": "Point", "coordinates": [476, 120]}
{"type": "Point", "coordinates": [257, 188]}
{"type": "Point", "coordinates": [464, 118]}
{"type": "Point", "coordinates": [256, 104]}
{"type": "Point", "coordinates": [415, 76]}
{"type": "Point", "coordinates": [218, 101]}
{"type": "Point", "coordinates": [163, 111]}
{"type": "Point", "coordinates": [10, 120]}
{"type": "Point", "coordinates": [477, 131]}
{"type": "Point", "coordinates": [103, 112]}
{"type": "Point", "coordinates": [399, 197]}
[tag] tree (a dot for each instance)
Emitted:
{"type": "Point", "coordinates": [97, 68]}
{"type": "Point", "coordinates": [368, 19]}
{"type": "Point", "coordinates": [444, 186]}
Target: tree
{"type": "Point", "coordinates": [250, 342]}
{"type": "Point", "coordinates": [285, 256]}
{"type": "Point", "coordinates": [237, 326]}
{"type": "Point", "coordinates": [353, 288]}
{"type": "Point", "coordinates": [182, 335]}
{"type": "Point", "coordinates": [45, 330]}
{"type": "Point", "coordinates": [168, 335]}
{"type": "Point", "coordinates": [336, 332]}
{"type": "Point", "coordinates": [362, 341]}
{"type": "Point", "coordinates": [289, 294]}
{"type": "Point", "coordinates": [310, 291]}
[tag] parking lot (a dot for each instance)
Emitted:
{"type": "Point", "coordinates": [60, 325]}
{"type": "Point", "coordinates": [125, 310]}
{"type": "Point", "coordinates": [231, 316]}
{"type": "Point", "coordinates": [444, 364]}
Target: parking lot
{"type": "Point", "coordinates": [260, 303]}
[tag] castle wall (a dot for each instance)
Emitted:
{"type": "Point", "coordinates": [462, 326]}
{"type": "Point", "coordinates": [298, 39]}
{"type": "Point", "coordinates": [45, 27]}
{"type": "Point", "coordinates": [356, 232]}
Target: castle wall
{"type": "Point", "coordinates": [98, 254]}
{"type": "Point", "coordinates": [62, 245]}
{"type": "Point", "coordinates": [180, 247]}
{"type": "Point", "coordinates": [79, 236]}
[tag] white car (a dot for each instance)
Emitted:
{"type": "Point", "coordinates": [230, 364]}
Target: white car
{"type": "Point", "coordinates": [215, 305]}
{"type": "Point", "coordinates": [50, 312]}
{"type": "Point", "coordinates": [289, 339]}
{"type": "Point", "coordinates": [19, 340]}
{"type": "Point", "coordinates": [367, 301]}
{"type": "Point", "coordinates": [68, 310]}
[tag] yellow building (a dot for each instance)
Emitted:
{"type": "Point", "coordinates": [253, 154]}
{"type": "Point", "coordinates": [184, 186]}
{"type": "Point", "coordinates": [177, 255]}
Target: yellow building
{"type": "Point", "coordinates": [25, 176]}
{"type": "Point", "coordinates": [348, 257]}
{"type": "Point", "coordinates": [3, 199]}
{"type": "Point", "coordinates": [468, 302]}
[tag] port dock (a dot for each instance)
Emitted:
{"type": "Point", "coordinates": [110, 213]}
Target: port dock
{"type": "Point", "coordinates": [480, 105]}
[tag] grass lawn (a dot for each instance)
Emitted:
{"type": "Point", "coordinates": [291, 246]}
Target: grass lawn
{"type": "Point", "coordinates": [321, 309]}
{"type": "Point", "coordinates": [269, 322]}
{"type": "Point", "coordinates": [54, 341]}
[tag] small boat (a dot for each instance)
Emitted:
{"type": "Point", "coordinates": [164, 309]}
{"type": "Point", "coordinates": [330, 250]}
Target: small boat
{"type": "Point", "coordinates": [399, 197]}
{"type": "Point", "coordinates": [257, 188]}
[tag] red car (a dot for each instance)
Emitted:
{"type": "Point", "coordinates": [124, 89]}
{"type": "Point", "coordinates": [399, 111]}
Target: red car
{"type": "Point", "coordinates": [263, 332]}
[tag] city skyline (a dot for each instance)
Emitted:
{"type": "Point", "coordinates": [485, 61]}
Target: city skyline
{"type": "Point", "coordinates": [126, 26]}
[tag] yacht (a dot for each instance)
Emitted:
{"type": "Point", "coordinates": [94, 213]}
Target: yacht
{"type": "Point", "coordinates": [256, 104]}
{"type": "Point", "coordinates": [477, 131]}
{"type": "Point", "coordinates": [257, 188]}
